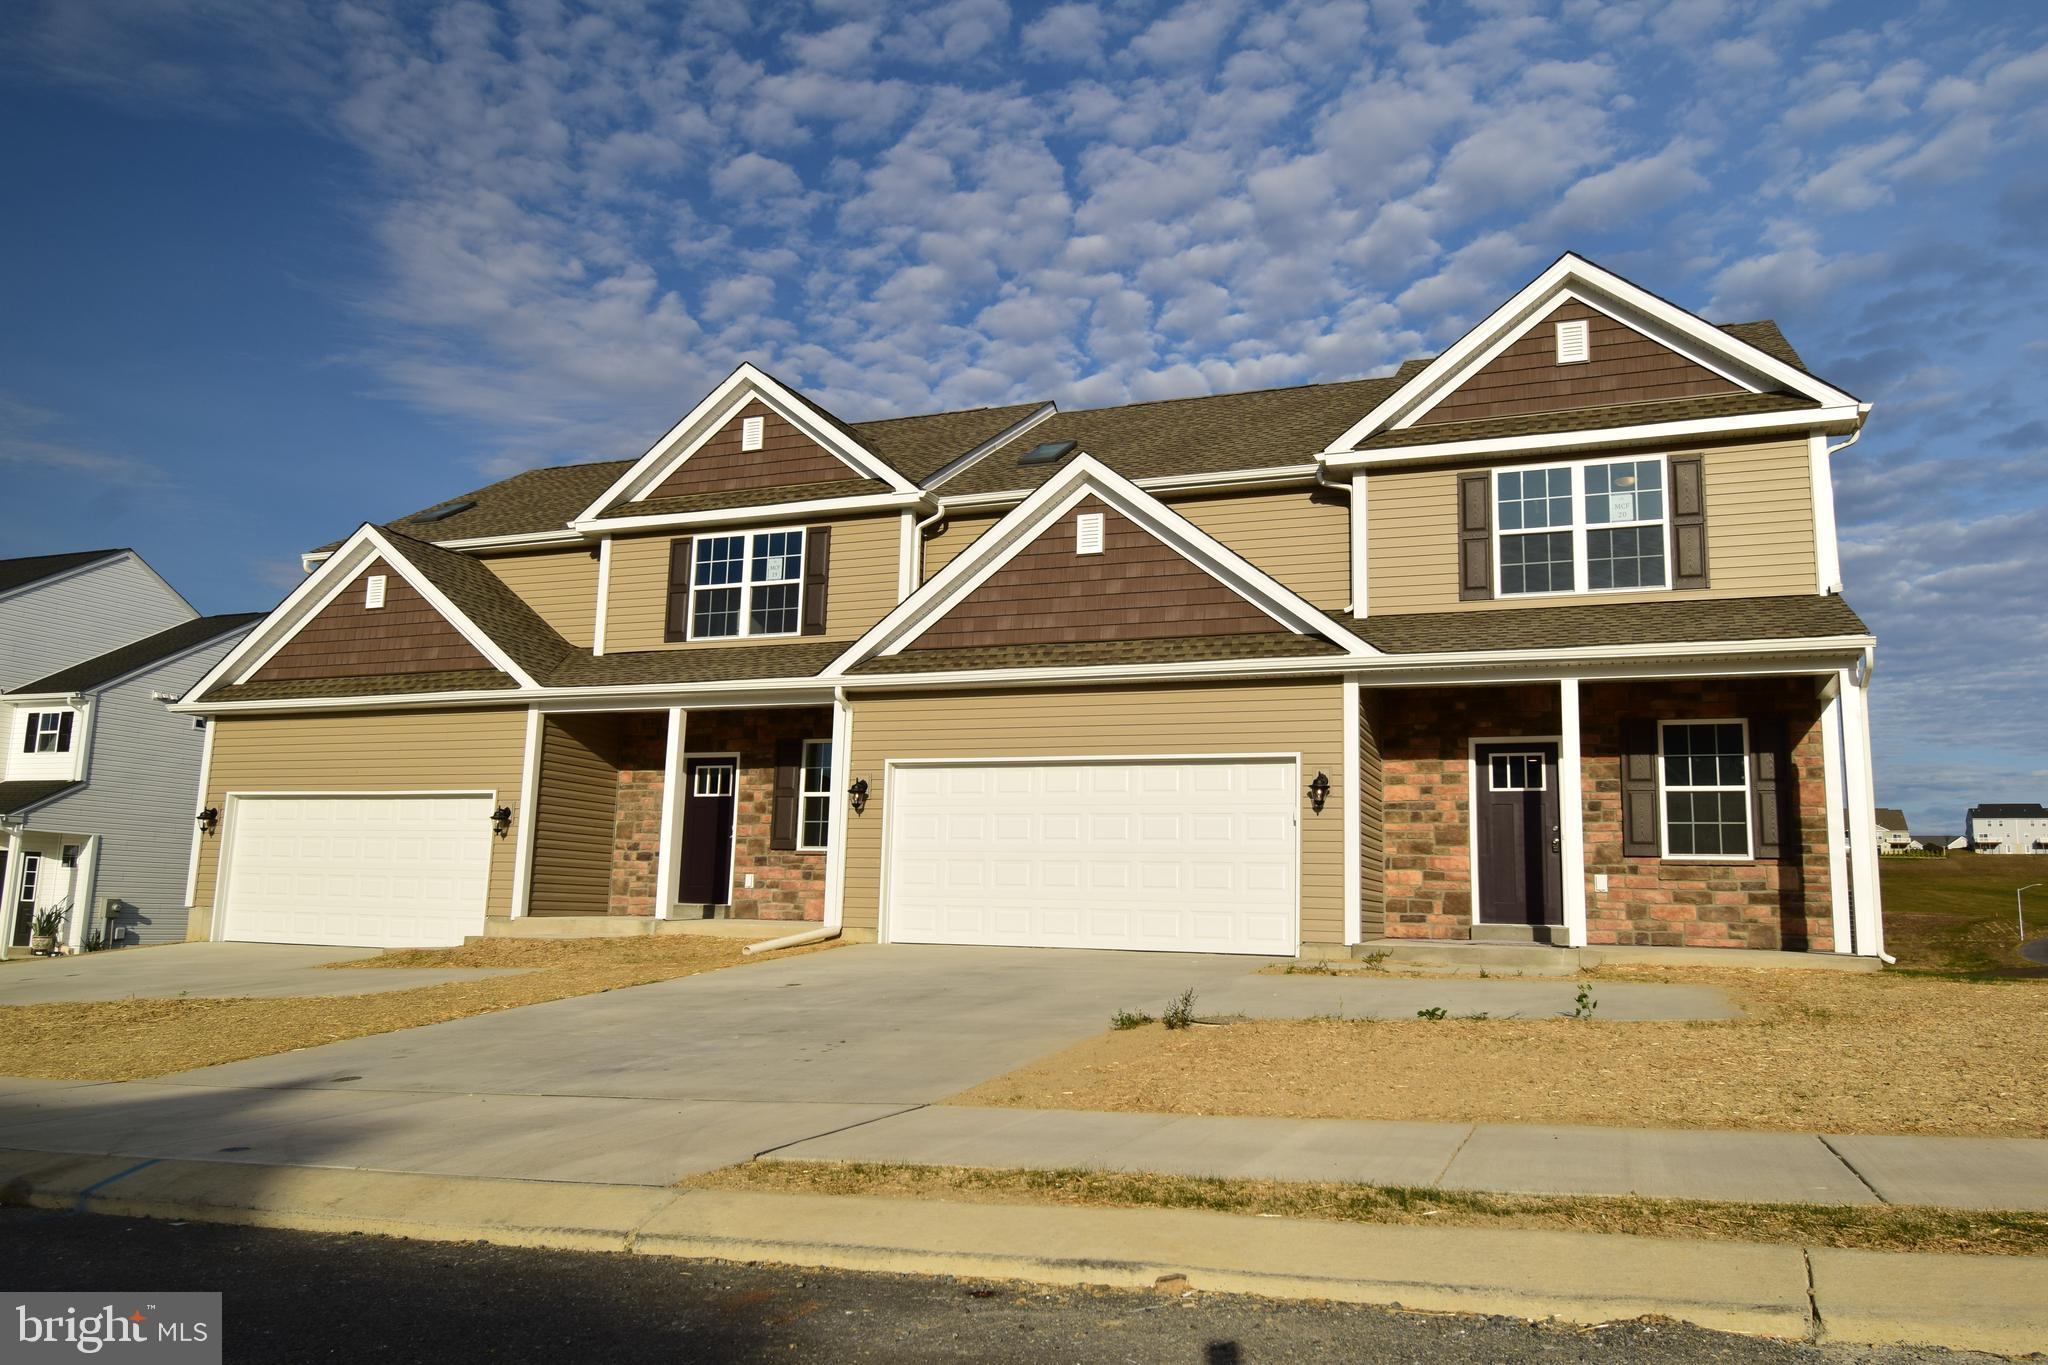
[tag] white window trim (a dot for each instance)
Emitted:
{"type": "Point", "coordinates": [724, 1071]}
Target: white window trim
{"type": "Point", "coordinates": [746, 583]}
{"type": "Point", "coordinates": [1748, 798]}
{"type": "Point", "coordinates": [804, 795]}
{"type": "Point", "coordinates": [32, 729]}
{"type": "Point", "coordinates": [728, 775]}
{"type": "Point", "coordinates": [1579, 527]}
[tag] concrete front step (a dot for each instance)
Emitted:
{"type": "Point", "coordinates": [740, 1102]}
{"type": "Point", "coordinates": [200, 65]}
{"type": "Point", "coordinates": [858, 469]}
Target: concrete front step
{"type": "Point", "coordinates": [631, 926]}
{"type": "Point", "coordinates": [1459, 956]}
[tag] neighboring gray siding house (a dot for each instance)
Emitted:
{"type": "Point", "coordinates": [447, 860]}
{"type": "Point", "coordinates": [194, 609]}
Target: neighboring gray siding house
{"type": "Point", "coordinates": [97, 776]}
{"type": "Point", "coordinates": [58, 610]}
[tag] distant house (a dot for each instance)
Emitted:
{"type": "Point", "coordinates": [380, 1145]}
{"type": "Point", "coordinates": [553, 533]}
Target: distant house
{"type": "Point", "coordinates": [1943, 843]}
{"type": "Point", "coordinates": [2009, 827]}
{"type": "Point", "coordinates": [1892, 835]}
{"type": "Point", "coordinates": [97, 775]}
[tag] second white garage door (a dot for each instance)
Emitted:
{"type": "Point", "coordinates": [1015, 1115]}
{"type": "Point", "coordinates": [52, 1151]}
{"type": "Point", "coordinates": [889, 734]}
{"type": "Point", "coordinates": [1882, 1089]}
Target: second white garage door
{"type": "Point", "coordinates": [1195, 857]}
{"type": "Point", "coordinates": [359, 871]}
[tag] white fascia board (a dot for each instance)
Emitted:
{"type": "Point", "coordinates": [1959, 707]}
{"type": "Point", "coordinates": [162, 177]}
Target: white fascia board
{"type": "Point", "coordinates": [1028, 519]}
{"type": "Point", "coordinates": [698, 425]}
{"type": "Point", "coordinates": [1571, 270]}
{"type": "Point", "coordinates": [959, 464]}
{"type": "Point", "coordinates": [1745, 424]}
{"type": "Point", "coordinates": [766, 511]}
{"type": "Point", "coordinates": [525, 540]}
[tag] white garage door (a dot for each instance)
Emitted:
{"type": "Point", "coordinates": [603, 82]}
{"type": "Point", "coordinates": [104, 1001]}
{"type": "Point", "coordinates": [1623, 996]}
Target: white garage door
{"type": "Point", "coordinates": [363, 871]}
{"type": "Point", "coordinates": [1172, 856]}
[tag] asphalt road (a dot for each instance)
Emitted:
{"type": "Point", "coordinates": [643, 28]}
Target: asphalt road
{"type": "Point", "coordinates": [298, 1297]}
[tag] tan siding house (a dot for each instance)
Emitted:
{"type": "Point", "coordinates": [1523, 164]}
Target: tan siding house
{"type": "Point", "coordinates": [1317, 671]}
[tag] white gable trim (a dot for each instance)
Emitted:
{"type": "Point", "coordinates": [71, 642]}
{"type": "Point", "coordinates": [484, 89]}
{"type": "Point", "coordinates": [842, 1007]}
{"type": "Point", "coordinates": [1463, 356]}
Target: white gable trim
{"type": "Point", "coordinates": [1801, 420]}
{"type": "Point", "coordinates": [1085, 475]}
{"type": "Point", "coordinates": [704, 421]}
{"type": "Point", "coordinates": [320, 589]}
{"type": "Point", "coordinates": [1628, 303]}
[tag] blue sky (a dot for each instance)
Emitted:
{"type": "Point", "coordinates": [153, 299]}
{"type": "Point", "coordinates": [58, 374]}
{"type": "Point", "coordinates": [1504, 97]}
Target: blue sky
{"type": "Point", "coordinates": [274, 267]}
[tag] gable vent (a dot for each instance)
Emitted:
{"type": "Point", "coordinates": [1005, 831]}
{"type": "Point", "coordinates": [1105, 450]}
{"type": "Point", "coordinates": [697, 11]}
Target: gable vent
{"type": "Point", "coordinates": [1088, 534]}
{"type": "Point", "coordinates": [373, 591]}
{"type": "Point", "coordinates": [751, 431]}
{"type": "Point", "coordinates": [1048, 453]}
{"type": "Point", "coordinates": [1573, 345]}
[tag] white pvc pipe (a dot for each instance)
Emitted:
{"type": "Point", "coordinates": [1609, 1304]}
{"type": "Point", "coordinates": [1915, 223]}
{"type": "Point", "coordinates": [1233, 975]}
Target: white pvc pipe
{"type": "Point", "coordinates": [793, 940]}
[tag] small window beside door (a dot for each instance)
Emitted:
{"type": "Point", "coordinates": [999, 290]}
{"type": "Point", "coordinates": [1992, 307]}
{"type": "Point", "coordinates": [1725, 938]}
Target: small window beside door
{"type": "Point", "coordinates": [817, 794]}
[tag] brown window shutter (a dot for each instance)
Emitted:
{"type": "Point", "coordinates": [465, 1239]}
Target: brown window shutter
{"type": "Point", "coordinates": [789, 766]}
{"type": "Point", "coordinates": [677, 624]}
{"type": "Point", "coordinates": [1688, 523]}
{"type": "Point", "coordinates": [1769, 781]}
{"type": "Point", "coordinates": [1639, 813]}
{"type": "Point", "coordinates": [1475, 536]}
{"type": "Point", "coordinates": [817, 572]}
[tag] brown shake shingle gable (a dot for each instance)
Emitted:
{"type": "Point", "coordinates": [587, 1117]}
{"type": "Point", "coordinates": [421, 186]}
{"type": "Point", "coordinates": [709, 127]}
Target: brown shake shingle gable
{"type": "Point", "coordinates": [1588, 419]}
{"type": "Point", "coordinates": [490, 605]}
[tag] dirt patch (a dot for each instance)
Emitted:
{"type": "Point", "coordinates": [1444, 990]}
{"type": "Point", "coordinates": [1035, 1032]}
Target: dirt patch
{"type": "Point", "coordinates": [126, 1040]}
{"type": "Point", "coordinates": [1874, 1229]}
{"type": "Point", "coordinates": [1818, 1051]}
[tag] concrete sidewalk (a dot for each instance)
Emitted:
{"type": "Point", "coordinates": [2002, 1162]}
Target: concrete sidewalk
{"type": "Point", "coordinates": [192, 970]}
{"type": "Point", "coordinates": [1969, 1302]}
{"type": "Point", "coordinates": [627, 1140]}
{"type": "Point", "coordinates": [1767, 1168]}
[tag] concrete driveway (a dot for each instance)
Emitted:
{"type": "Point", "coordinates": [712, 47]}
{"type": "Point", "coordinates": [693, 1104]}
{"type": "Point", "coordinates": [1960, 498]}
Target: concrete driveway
{"type": "Point", "coordinates": [212, 969]}
{"type": "Point", "coordinates": [646, 1085]}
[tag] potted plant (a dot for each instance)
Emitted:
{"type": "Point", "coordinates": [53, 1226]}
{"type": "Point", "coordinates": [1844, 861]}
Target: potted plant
{"type": "Point", "coordinates": [43, 930]}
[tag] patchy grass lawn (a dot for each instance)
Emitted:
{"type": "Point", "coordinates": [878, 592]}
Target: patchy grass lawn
{"type": "Point", "coordinates": [126, 1040]}
{"type": "Point", "coordinates": [1818, 1051]}
{"type": "Point", "coordinates": [1875, 1228]}
{"type": "Point", "coordinates": [1955, 914]}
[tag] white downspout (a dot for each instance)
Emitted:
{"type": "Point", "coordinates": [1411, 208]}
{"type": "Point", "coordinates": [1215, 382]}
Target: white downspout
{"type": "Point", "coordinates": [917, 547]}
{"type": "Point", "coordinates": [1351, 505]}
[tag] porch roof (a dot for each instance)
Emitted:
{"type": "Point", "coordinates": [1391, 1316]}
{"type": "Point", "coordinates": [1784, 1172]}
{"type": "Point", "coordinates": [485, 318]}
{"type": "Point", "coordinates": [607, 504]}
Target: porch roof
{"type": "Point", "coordinates": [19, 796]}
{"type": "Point", "coordinates": [366, 685]}
{"type": "Point", "coordinates": [724, 663]}
{"type": "Point", "coordinates": [1676, 620]}
{"type": "Point", "coordinates": [1088, 653]}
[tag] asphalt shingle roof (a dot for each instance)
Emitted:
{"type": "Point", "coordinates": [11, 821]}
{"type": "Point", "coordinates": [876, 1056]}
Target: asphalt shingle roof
{"type": "Point", "coordinates": [1088, 653]}
{"type": "Point", "coordinates": [483, 597]}
{"type": "Point", "coordinates": [373, 685]}
{"type": "Point", "coordinates": [119, 663]}
{"type": "Point", "coordinates": [16, 796]}
{"type": "Point", "coordinates": [1678, 619]}
{"type": "Point", "coordinates": [749, 497]}
{"type": "Point", "coordinates": [721, 663]}
{"type": "Point", "coordinates": [19, 573]}
{"type": "Point", "coordinates": [1888, 818]}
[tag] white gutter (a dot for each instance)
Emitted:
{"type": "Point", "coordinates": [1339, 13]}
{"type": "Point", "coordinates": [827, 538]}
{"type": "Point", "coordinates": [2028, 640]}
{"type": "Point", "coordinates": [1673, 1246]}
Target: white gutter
{"type": "Point", "coordinates": [1791, 419]}
{"type": "Point", "coordinates": [767, 511]}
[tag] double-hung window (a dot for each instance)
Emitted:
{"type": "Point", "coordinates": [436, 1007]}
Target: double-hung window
{"type": "Point", "coordinates": [1595, 526]}
{"type": "Point", "coordinates": [47, 732]}
{"type": "Point", "coordinates": [1703, 769]}
{"type": "Point", "coordinates": [747, 583]}
{"type": "Point", "coordinates": [816, 794]}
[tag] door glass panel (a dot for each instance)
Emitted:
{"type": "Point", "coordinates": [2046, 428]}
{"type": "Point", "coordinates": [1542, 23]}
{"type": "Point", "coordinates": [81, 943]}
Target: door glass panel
{"type": "Point", "coordinates": [713, 779]}
{"type": "Point", "coordinates": [1515, 772]}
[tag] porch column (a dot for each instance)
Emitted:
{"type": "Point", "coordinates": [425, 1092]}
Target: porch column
{"type": "Point", "coordinates": [1835, 810]}
{"type": "Point", "coordinates": [527, 814]}
{"type": "Point", "coordinates": [1351, 806]}
{"type": "Point", "coordinates": [841, 813]}
{"type": "Point", "coordinates": [10, 891]}
{"type": "Point", "coordinates": [1571, 810]}
{"type": "Point", "coordinates": [1862, 810]}
{"type": "Point", "coordinates": [665, 860]}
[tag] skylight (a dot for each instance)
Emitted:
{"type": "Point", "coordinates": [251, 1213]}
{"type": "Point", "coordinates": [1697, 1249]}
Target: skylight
{"type": "Point", "coordinates": [446, 510]}
{"type": "Point", "coordinates": [1049, 453]}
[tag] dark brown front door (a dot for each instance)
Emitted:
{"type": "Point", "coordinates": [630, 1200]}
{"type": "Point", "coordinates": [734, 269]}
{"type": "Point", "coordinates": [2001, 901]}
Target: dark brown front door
{"type": "Point", "coordinates": [1521, 872]}
{"type": "Point", "coordinates": [709, 801]}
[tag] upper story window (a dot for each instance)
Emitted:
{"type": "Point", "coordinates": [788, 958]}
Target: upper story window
{"type": "Point", "coordinates": [747, 583]}
{"type": "Point", "coordinates": [1592, 526]}
{"type": "Point", "coordinates": [48, 732]}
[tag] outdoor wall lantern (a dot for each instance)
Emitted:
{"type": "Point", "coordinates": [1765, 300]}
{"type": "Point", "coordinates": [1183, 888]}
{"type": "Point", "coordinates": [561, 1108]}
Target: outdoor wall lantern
{"type": "Point", "coordinates": [857, 794]}
{"type": "Point", "coordinates": [1319, 792]}
{"type": "Point", "coordinates": [501, 820]}
{"type": "Point", "coordinates": [209, 820]}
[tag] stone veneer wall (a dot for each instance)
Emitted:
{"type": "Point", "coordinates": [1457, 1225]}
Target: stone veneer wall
{"type": "Point", "coordinates": [1423, 739]}
{"type": "Point", "coordinates": [1782, 903]}
{"type": "Point", "coordinates": [788, 884]}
